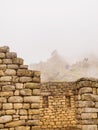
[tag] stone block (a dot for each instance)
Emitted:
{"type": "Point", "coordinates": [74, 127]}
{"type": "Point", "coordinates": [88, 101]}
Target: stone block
{"type": "Point", "coordinates": [90, 97]}
{"type": "Point", "coordinates": [11, 55]}
{"type": "Point", "coordinates": [25, 92]}
{"type": "Point", "coordinates": [33, 112]}
{"type": "Point", "coordinates": [23, 112]}
{"type": "Point", "coordinates": [4, 49]}
{"type": "Point", "coordinates": [22, 128]}
{"type": "Point", "coordinates": [2, 55]}
{"type": "Point", "coordinates": [85, 90]}
{"type": "Point", "coordinates": [36, 91]}
{"type": "Point", "coordinates": [5, 119]}
{"type": "Point", "coordinates": [36, 79]}
{"type": "Point", "coordinates": [25, 79]}
{"type": "Point", "coordinates": [16, 99]}
{"type": "Point", "coordinates": [7, 61]}
{"type": "Point", "coordinates": [18, 61]}
{"type": "Point", "coordinates": [12, 66]}
{"type": "Point", "coordinates": [35, 105]}
{"type": "Point", "coordinates": [32, 122]}
{"type": "Point", "coordinates": [89, 115]}
{"type": "Point", "coordinates": [31, 85]}
{"type": "Point", "coordinates": [15, 123]}
{"type": "Point", "coordinates": [19, 86]}
{"type": "Point", "coordinates": [15, 79]}
{"type": "Point", "coordinates": [3, 100]}
{"type": "Point", "coordinates": [31, 99]}
{"type": "Point", "coordinates": [2, 66]}
{"type": "Point", "coordinates": [86, 104]}
{"type": "Point", "coordinates": [23, 66]}
{"type": "Point", "coordinates": [1, 73]}
{"type": "Point", "coordinates": [10, 112]}
{"type": "Point", "coordinates": [24, 72]}
{"type": "Point", "coordinates": [1, 61]}
{"type": "Point", "coordinates": [6, 79]}
{"type": "Point", "coordinates": [89, 127]}
{"type": "Point", "coordinates": [11, 72]}
{"type": "Point", "coordinates": [18, 105]}
{"type": "Point", "coordinates": [26, 105]}
{"type": "Point", "coordinates": [7, 94]}
{"type": "Point", "coordinates": [7, 106]}
{"type": "Point", "coordinates": [8, 88]}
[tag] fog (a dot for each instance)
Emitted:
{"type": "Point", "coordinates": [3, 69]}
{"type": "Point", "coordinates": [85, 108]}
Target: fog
{"type": "Point", "coordinates": [34, 28]}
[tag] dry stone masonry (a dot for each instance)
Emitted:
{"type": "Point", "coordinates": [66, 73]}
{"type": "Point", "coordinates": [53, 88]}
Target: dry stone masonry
{"type": "Point", "coordinates": [28, 104]}
{"type": "Point", "coordinates": [19, 93]}
{"type": "Point", "coordinates": [57, 106]}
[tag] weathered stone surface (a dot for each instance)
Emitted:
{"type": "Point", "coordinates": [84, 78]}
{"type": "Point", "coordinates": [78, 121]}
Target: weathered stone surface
{"type": "Point", "coordinates": [90, 97]}
{"type": "Point", "coordinates": [2, 66]}
{"type": "Point", "coordinates": [5, 119]}
{"type": "Point", "coordinates": [0, 61]}
{"type": "Point", "coordinates": [32, 99]}
{"type": "Point", "coordinates": [31, 85]}
{"type": "Point", "coordinates": [18, 61]}
{"type": "Point", "coordinates": [88, 115]}
{"type": "Point", "coordinates": [7, 61]}
{"type": "Point", "coordinates": [86, 104]}
{"type": "Point", "coordinates": [36, 91]}
{"type": "Point", "coordinates": [7, 106]}
{"type": "Point", "coordinates": [5, 79]}
{"type": "Point", "coordinates": [22, 128]}
{"type": "Point", "coordinates": [19, 86]}
{"type": "Point", "coordinates": [15, 99]}
{"type": "Point", "coordinates": [18, 105]}
{"type": "Point", "coordinates": [89, 127]}
{"type": "Point", "coordinates": [35, 105]}
{"type": "Point", "coordinates": [15, 123]}
{"type": "Point", "coordinates": [25, 79]}
{"type": "Point", "coordinates": [2, 55]}
{"type": "Point", "coordinates": [16, 93]}
{"type": "Point", "coordinates": [15, 79]}
{"type": "Point", "coordinates": [23, 112]}
{"type": "Point", "coordinates": [23, 66]}
{"type": "Point", "coordinates": [6, 94]}
{"type": "Point", "coordinates": [37, 73]}
{"type": "Point", "coordinates": [8, 88]}
{"type": "Point", "coordinates": [1, 126]}
{"type": "Point", "coordinates": [24, 72]}
{"type": "Point", "coordinates": [10, 112]}
{"type": "Point", "coordinates": [90, 110]}
{"type": "Point", "coordinates": [12, 66]}
{"type": "Point", "coordinates": [26, 92]}
{"type": "Point", "coordinates": [3, 99]}
{"type": "Point", "coordinates": [32, 122]}
{"type": "Point", "coordinates": [11, 55]}
{"type": "Point", "coordinates": [85, 90]}
{"type": "Point", "coordinates": [33, 112]}
{"type": "Point", "coordinates": [36, 79]}
{"type": "Point", "coordinates": [11, 72]}
{"type": "Point", "coordinates": [4, 49]}
{"type": "Point", "coordinates": [26, 105]}
{"type": "Point", "coordinates": [1, 73]}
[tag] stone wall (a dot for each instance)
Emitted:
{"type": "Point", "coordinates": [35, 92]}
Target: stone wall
{"type": "Point", "coordinates": [57, 106]}
{"type": "Point", "coordinates": [87, 104]}
{"type": "Point", "coordinates": [19, 93]}
{"type": "Point", "coordinates": [27, 104]}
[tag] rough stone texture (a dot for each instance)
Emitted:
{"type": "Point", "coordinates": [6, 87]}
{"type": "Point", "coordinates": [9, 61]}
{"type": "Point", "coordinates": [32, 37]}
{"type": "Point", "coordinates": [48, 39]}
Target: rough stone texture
{"type": "Point", "coordinates": [27, 104]}
{"type": "Point", "coordinates": [5, 119]}
{"type": "Point", "coordinates": [16, 111]}
{"type": "Point", "coordinates": [57, 106]}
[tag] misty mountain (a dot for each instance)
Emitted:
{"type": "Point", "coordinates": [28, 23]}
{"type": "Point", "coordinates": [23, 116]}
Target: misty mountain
{"type": "Point", "coordinates": [57, 68]}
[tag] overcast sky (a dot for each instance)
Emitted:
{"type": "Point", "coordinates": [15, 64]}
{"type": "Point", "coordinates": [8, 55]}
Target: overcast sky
{"type": "Point", "coordinates": [34, 28]}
